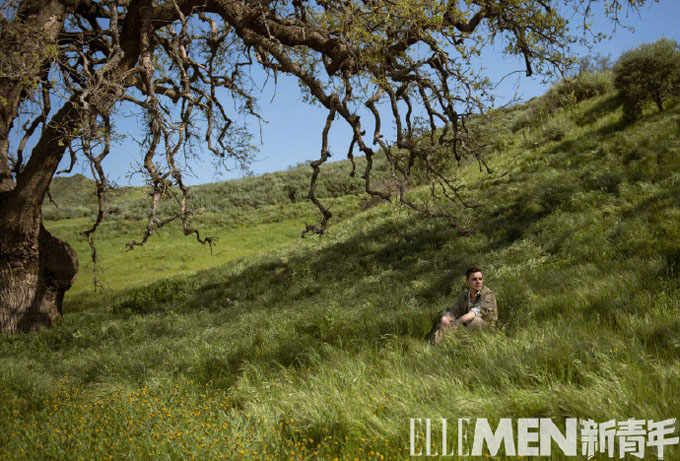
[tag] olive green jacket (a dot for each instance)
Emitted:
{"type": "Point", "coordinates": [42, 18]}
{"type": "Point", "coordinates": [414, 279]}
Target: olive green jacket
{"type": "Point", "coordinates": [486, 301]}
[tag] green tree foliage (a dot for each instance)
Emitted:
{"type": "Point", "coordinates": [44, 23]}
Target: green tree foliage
{"type": "Point", "coordinates": [649, 72]}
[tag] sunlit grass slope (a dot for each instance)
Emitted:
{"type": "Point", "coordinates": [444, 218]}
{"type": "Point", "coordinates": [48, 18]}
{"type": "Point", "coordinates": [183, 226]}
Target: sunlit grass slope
{"type": "Point", "coordinates": [168, 253]}
{"type": "Point", "coordinates": [314, 349]}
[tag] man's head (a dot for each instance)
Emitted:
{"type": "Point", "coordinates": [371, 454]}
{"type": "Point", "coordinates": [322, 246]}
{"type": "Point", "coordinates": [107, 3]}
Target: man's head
{"type": "Point", "coordinates": [474, 278]}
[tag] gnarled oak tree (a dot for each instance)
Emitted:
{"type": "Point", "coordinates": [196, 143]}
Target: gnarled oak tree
{"type": "Point", "coordinates": [66, 65]}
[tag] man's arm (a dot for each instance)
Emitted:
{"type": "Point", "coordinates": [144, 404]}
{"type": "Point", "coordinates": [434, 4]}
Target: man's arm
{"type": "Point", "coordinates": [470, 315]}
{"type": "Point", "coordinates": [457, 310]}
{"type": "Point", "coordinates": [488, 307]}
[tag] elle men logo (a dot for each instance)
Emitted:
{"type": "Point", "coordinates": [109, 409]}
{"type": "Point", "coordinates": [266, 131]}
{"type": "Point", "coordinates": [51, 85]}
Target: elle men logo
{"type": "Point", "coordinates": [541, 437]}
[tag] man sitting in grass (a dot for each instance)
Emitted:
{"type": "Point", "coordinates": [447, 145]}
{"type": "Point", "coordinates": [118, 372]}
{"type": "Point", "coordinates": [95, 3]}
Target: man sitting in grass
{"type": "Point", "coordinates": [475, 307]}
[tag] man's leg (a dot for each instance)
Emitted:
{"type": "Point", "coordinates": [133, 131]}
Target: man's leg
{"type": "Point", "coordinates": [477, 322]}
{"type": "Point", "coordinates": [438, 333]}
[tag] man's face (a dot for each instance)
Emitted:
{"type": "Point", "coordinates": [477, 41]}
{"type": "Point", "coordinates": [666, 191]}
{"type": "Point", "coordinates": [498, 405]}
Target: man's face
{"type": "Point", "coordinates": [474, 281]}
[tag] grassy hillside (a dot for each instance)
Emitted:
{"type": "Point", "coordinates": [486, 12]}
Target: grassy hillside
{"type": "Point", "coordinates": [314, 349]}
{"type": "Point", "coordinates": [74, 196]}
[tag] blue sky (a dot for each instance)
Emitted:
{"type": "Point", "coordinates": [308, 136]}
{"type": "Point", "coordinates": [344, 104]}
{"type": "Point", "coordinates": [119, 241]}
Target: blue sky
{"type": "Point", "coordinates": [292, 133]}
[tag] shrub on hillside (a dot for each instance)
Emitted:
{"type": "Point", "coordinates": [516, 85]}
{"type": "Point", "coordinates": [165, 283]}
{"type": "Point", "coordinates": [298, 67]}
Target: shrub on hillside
{"type": "Point", "coordinates": [584, 86]}
{"type": "Point", "coordinates": [648, 72]}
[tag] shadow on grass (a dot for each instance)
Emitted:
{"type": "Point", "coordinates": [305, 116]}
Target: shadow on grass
{"type": "Point", "coordinates": [386, 284]}
{"type": "Point", "coordinates": [397, 247]}
{"type": "Point", "coordinates": [603, 108]}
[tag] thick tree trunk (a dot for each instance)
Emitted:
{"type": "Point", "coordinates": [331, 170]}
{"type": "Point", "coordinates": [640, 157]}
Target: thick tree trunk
{"type": "Point", "coordinates": [34, 276]}
{"type": "Point", "coordinates": [36, 268]}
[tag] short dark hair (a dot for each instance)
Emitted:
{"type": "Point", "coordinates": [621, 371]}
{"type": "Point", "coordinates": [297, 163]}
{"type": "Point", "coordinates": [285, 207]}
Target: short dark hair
{"type": "Point", "coordinates": [471, 270]}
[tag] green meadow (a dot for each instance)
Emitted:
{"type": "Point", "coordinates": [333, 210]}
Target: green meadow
{"type": "Point", "coordinates": [277, 347]}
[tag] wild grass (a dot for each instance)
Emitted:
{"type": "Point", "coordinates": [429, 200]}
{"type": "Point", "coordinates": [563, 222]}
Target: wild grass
{"type": "Point", "coordinates": [281, 348]}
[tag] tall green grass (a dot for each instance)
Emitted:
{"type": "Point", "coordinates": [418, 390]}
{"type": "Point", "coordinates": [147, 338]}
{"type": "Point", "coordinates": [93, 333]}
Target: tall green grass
{"type": "Point", "coordinates": [281, 348]}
